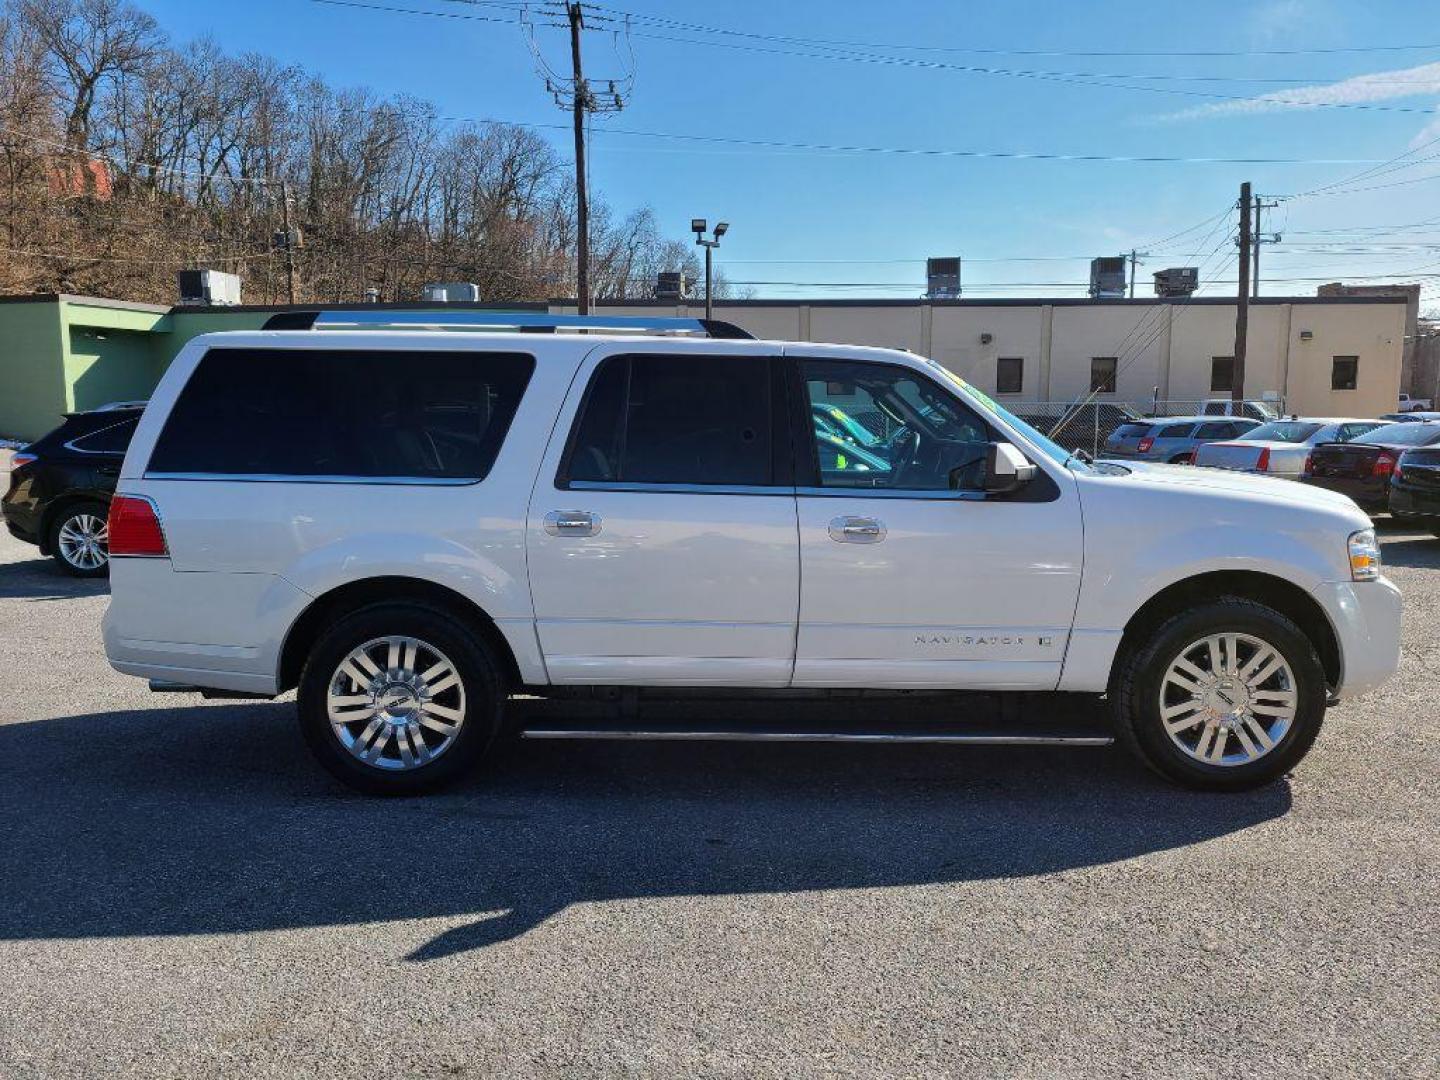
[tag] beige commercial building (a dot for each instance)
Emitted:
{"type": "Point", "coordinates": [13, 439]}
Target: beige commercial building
{"type": "Point", "coordinates": [1320, 356]}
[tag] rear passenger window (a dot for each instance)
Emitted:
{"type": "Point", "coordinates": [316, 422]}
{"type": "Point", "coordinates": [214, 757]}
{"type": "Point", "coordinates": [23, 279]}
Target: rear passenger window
{"type": "Point", "coordinates": [343, 413]}
{"type": "Point", "coordinates": [675, 420]}
{"type": "Point", "coordinates": [1177, 431]}
{"type": "Point", "coordinates": [109, 440]}
{"type": "Point", "coordinates": [1215, 430]}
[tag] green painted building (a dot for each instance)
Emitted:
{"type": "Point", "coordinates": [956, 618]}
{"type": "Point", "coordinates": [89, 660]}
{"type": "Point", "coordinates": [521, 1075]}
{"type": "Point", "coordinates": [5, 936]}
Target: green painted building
{"type": "Point", "coordinates": [61, 353]}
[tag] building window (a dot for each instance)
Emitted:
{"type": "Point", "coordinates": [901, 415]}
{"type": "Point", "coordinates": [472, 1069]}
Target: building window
{"type": "Point", "coordinates": [1102, 374]}
{"type": "Point", "coordinates": [1343, 371]}
{"type": "Point", "coordinates": [1222, 374]}
{"type": "Point", "coordinates": [1009, 375]}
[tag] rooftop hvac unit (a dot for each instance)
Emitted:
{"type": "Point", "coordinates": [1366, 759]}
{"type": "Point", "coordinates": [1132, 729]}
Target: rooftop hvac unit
{"type": "Point", "coordinates": [671, 285]}
{"type": "Point", "coordinates": [1177, 281]}
{"type": "Point", "coordinates": [208, 288]}
{"type": "Point", "coordinates": [450, 292]}
{"type": "Point", "coordinates": [942, 278]}
{"type": "Point", "coordinates": [1107, 277]}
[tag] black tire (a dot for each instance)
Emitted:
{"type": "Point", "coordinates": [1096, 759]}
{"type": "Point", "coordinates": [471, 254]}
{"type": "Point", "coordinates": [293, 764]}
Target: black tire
{"type": "Point", "coordinates": [480, 681]}
{"type": "Point", "coordinates": [1136, 687]}
{"type": "Point", "coordinates": [1180, 459]}
{"type": "Point", "coordinates": [92, 509]}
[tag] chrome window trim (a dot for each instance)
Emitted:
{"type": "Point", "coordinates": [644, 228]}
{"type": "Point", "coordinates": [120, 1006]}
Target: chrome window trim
{"type": "Point", "coordinates": [98, 431]}
{"type": "Point", "coordinates": [294, 478]}
{"type": "Point", "coordinates": [926, 494]}
{"type": "Point", "coordinates": [677, 489]}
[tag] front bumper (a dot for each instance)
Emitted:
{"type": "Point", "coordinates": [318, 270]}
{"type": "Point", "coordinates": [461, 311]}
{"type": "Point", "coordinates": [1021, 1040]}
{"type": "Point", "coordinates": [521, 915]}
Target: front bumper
{"type": "Point", "coordinates": [1366, 618]}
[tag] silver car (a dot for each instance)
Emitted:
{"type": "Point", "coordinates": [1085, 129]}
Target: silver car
{"type": "Point", "coordinates": [1280, 447]}
{"type": "Point", "coordinates": [1172, 438]}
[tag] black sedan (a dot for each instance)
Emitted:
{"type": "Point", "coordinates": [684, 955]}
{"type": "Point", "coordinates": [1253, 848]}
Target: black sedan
{"type": "Point", "coordinates": [1415, 488]}
{"type": "Point", "coordinates": [60, 488]}
{"type": "Point", "coordinates": [1361, 468]}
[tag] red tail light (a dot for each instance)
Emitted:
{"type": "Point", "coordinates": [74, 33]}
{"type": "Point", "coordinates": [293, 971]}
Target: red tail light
{"type": "Point", "coordinates": [135, 528]}
{"type": "Point", "coordinates": [1145, 443]}
{"type": "Point", "coordinates": [1309, 464]}
{"type": "Point", "coordinates": [1384, 465]}
{"type": "Point", "coordinates": [22, 459]}
{"type": "Point", "coordinates": [1262, 463]}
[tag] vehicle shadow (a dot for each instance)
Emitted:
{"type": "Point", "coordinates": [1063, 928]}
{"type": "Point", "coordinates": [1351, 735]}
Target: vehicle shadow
{"type": "Point", "coordinates": [1421, 550]}
{"type": "Point", "coordinates": [41, 579]}
{"type": "Point", "coordinates": [213, 819]}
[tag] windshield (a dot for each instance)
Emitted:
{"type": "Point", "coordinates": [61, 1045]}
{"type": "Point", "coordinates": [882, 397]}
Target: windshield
{"type": "Point", "coordinates": [1402, 435]}
{"type": "Point", "coordinates": [1041, 442]}
{"type": "Point", "coordinates": [1281, 431]}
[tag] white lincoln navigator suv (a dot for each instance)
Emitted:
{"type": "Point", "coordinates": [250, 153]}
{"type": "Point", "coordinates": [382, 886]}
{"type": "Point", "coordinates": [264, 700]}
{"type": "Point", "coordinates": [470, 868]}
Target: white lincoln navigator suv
{"type": "Point", "coordinates": [410, 526]}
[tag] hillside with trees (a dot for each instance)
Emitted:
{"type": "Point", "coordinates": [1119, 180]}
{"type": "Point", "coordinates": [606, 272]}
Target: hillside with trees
{"type": "Point", "coordinates": [125, 157]}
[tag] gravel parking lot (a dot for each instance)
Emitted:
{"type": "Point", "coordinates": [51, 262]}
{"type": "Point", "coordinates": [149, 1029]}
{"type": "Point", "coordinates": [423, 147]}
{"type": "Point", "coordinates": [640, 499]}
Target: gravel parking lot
{"type": "Point", "coordinates": [185, 893]}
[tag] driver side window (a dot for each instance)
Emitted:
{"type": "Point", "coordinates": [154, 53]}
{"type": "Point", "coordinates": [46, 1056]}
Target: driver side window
{"type": "Point", "coordinates": [885, 426]}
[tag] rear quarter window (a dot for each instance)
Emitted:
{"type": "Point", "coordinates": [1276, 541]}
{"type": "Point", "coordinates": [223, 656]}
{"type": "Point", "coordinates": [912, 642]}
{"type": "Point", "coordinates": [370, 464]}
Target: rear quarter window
{"type": "Point", "coordinates": [348, 414]}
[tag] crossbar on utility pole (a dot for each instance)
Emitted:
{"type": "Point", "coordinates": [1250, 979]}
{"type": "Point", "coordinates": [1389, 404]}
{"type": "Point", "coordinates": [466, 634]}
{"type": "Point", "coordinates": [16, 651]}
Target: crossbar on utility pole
{"type": "Point", "coordinates": [579, 102]}
{"type": "Point", "coordinates": [1242, 298]}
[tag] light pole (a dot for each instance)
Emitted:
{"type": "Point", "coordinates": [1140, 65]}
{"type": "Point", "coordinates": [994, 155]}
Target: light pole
{"type": "Point", "coordinates": [697, 225]}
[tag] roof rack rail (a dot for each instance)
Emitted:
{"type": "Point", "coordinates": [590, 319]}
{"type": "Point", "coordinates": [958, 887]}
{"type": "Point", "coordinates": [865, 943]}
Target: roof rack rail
{"type": "Point", "coordinates": [525, 322]}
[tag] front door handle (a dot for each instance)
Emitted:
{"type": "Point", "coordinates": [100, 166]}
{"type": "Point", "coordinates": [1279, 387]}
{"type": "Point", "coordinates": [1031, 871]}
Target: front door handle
{"type": "Point", "coordinates": [856, 530]}
{"type": "Point", "coordinates": [572, 523]}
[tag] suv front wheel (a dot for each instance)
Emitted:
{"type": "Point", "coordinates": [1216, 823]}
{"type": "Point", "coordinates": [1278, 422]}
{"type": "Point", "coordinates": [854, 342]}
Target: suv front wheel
{"type": "Point", "coordinates": [1226, 696]}
{"type": "Point", "coordinates": [399, 699]}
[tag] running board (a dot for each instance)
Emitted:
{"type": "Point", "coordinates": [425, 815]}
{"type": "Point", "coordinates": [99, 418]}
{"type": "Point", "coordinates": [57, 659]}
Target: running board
{"type": "Point", "coordinates": [712, 732]}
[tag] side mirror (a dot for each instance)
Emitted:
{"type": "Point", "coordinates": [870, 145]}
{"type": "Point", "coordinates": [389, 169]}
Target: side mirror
{"type": "Point", "coordinates": [1006, 469]}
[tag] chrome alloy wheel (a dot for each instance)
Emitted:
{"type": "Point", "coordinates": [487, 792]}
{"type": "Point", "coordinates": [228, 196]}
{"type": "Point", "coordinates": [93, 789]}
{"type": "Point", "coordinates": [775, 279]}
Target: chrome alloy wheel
{"type": "Point", "coordinates": [84, 542]}
{"type": "Point", "coordinates": [396, 703]}
{"type": "Point", "coordinates": [1228, 699]}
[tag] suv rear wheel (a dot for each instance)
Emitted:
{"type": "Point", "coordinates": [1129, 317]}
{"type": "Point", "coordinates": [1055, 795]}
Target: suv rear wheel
{"type": "Point", "coordinates": [80, 539]}
{"type": "Point", "coordinates": [1225, 696]}
{"type": "Point", "coordinates": [399, 699]}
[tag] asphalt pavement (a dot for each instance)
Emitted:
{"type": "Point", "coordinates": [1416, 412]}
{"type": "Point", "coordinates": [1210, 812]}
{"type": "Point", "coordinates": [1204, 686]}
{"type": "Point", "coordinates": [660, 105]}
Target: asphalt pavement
{"type": "Point", "coordinates": [183, 893]}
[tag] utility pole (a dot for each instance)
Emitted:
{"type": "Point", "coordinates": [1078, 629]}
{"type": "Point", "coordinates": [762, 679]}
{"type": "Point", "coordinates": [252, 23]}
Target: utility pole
{"type": "Point", "coordinates": [287, 240]}
{"type": "Point", "coordinates": [1135, 257]}
{"type": "Point", "coordinates": [1259, 238]}
{"type": "Point", "coordinates": [579, 102]}
{"type": "Point", "coordinates": [1242, 297]}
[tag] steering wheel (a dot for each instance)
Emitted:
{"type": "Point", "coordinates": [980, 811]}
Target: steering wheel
{"type": "Point", "coordinates": [905, 450]}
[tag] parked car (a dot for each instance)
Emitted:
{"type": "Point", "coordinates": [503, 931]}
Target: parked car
{"type": "Point", "coordinates": [60, 488]}
{"type": "Point", "coordinates": [653, 512]}
{"type": "Point", "coordinates": [1255, 410]}
{"type": "Point", "coordinates": [1414, 404]}
{"type": "Point", "coordinates": [1361, 468]}
{"type": "Point", "coordinates": [1173, 439]}
{"type": "Point", "coordinates": [1409, 418]}
{"type": "Point", "coordinates": [1415, 487]}
{"type": "Point", "coordinates": [1280, 447]}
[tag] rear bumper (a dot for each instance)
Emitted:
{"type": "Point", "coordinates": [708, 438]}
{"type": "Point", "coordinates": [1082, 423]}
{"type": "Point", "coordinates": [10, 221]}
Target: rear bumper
{"type": "Point", "coordinates": [1366, 617]}
{"type": "Point", "coordinates": [1410, 502]}
{"type": "Point", "coordinates": [1371, 494]}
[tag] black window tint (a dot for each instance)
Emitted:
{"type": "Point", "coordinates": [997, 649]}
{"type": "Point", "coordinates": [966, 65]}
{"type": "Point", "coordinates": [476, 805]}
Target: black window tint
{"type": "Point", "coordinates": [1215, 430]}
{"type": "Point", "coordinates": [1177, 431]}
{"type": "Point", "coordinates": [1009, 375]}
{"type": "Point", "coordinates": [109, 440]}
{"type": "Point", "coordinates": [321, 412]}
{"type": "Point", "coordinates": [676, 420]}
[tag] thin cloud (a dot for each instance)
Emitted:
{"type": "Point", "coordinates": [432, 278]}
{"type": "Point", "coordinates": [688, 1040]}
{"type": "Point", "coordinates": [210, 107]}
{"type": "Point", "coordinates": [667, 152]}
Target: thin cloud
{"type": "Point", "coordinates": [1359, 89]}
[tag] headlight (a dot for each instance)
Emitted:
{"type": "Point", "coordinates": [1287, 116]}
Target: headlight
{"type": "Point", "coordinates": [1364, 555]}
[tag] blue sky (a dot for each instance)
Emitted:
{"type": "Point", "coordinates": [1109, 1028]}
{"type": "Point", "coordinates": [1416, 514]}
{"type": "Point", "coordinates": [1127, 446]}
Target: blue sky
{"type": "Point", "coordinates": [810, 217]}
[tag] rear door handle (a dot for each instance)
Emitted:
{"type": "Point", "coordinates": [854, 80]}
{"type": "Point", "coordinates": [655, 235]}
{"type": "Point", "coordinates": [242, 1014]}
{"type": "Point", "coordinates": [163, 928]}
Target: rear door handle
{"type": "Point", "coordinates": [572, 523]}
{"type": "Point", "coordinates": [856, 530]}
